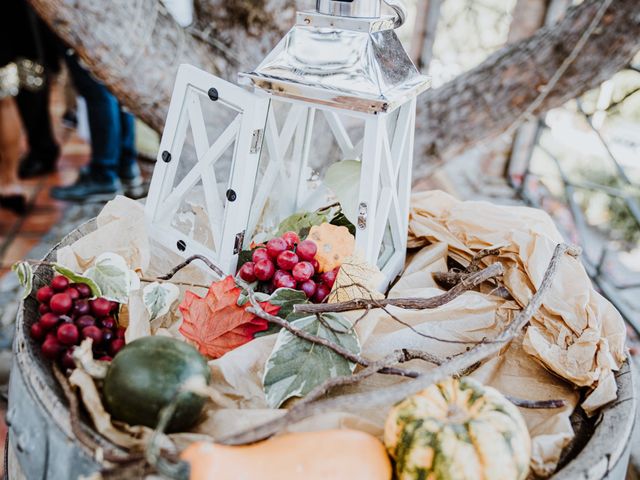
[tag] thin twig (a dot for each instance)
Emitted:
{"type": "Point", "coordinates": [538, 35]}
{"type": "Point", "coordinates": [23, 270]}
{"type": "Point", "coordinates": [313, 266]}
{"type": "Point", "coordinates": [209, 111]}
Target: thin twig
{"type": "Point", "coordinates": [190, 259]}
{"type": "Point", "coordinates": [81, 435]}
{"type": "Point", "coordinates": [152, 280]}
{"type": "Point", "coordinates": [390, 395]}
{"type": "Point", "coordinates": [468, 283]}
{"type": "Point", "coordinates": [474, 265]}
{"type": "Point", "coordinates": [535, 404]}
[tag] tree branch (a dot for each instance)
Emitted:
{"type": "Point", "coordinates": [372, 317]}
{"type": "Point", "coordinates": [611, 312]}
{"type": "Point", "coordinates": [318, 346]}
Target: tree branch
{"type": "Point", "coordinates": [470, 282]}
{"type": "Point", "coordinates": [390, 395]}
{"type": "Point", "coordinates": [135, 48]}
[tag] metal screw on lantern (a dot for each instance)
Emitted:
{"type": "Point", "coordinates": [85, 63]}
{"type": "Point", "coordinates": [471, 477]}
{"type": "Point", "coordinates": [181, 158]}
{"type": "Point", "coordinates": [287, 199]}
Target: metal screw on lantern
{"type": "Point", "coordinates": [166, 157]}
{"type": "Point", "coordinates": [213, 94]}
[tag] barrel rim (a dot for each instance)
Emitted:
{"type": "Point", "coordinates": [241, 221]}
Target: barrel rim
{"type": "Point", "coordinates": [579, 467]}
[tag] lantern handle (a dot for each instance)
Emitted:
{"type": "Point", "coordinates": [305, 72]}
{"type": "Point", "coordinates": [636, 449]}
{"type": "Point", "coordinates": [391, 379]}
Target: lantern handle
{"type": "Point", "coordinates": [400, 10]}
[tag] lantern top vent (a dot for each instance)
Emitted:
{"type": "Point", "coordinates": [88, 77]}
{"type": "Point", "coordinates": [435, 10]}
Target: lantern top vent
{"type": "Point", "coordinates": [345, 55]}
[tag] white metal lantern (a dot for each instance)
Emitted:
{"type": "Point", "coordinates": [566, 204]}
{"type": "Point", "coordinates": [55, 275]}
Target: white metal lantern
{"type": "Point", "coordinates": [338, 87]}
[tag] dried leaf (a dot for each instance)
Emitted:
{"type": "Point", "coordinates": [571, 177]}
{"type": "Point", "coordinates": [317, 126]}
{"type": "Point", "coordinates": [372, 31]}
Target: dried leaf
{"type": "Point", "coordinates": [158, 298]}
{"type": "Point", "coordinates": [356, 279]}
{"type": "Point", "coordinates": [300, 223]}
{"type": "Point", "coordinates": [129, 437]}
{"type": "Point", "coordinates": [296, 366]}
{"type": "Point", "coordinates": [215, 323]}
{"type": "Point", "coordinates": [83, 357]}
{"type": "Point", "coordinates": [24, 272]}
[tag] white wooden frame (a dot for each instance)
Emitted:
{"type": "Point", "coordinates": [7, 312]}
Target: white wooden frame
{"type": "Point", "coordinates": [386, 152]}
{"type": "Point", "coordinates": [229, 219]}
{"type": "Point", "coordinates": [385, 182]}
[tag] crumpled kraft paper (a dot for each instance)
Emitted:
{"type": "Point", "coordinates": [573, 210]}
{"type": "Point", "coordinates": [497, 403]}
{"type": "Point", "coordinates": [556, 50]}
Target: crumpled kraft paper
{"type": "Point", "coordinates": [589, 331]}
{"type": "Point", "coordinates": [577, 334]}
{"type": "Point", "coordinates": [121, 230]}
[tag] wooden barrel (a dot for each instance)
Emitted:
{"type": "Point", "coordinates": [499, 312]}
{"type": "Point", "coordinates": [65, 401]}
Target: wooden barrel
{"type": "Point", "coordinates": [42, 446]}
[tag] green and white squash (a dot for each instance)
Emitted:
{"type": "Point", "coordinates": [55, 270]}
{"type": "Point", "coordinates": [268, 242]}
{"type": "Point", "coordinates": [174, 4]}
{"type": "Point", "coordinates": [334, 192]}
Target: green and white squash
{"type": "Point", "coordinates": [458, 429]}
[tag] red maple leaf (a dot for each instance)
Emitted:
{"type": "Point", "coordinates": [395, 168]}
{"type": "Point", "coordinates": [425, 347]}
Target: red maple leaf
{"type": "Point", "coordinates": [215, 322]}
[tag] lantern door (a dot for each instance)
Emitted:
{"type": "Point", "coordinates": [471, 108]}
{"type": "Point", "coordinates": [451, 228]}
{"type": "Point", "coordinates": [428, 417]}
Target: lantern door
{"type": "Point", "coordinates": [200, 194]}
{"type": "Point", "coordinates": [316, 157]}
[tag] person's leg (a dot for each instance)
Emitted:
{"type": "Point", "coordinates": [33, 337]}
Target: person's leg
{"type": "Point", "coordinates": [11, 194]}
{"type": "Point", "coordinates": [128, 168]}
{"type": "Point", "coordinates": [43, 148]}
{"type": "Point", "coordinates": [101, 180]}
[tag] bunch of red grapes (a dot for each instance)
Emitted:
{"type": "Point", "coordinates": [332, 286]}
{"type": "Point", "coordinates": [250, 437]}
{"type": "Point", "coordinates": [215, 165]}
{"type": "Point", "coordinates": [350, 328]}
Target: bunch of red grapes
{"type": "Point", "coordinates": [287, 262]}
{"type": "Point", "coordinates": [68, 315]}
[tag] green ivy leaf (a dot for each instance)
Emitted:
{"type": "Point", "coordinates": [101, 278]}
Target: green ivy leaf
{"type": "Point", "coordinates": [296, 366]}
{"type": "Point", "coordinates": [341, 220]}
{"type": "Point", "coordinates": [158, 298]}
{"type": "Point", "coordinates": [24, 272]}
{"type": "Point", "coordinates": [243, 257]}
{"type": "Point", "coordinates": [77, 278]}
{"type": "Point", "coordinates": [300, 223]}
{"type": "Point", "coordinates": [111, 273]}
{"type": "Point", "coordinates": [285, 298]}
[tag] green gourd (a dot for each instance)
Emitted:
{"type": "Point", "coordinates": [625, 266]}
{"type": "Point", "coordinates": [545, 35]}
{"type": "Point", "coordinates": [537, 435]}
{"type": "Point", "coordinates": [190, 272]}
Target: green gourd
{"type": "Point", "coordinates": [146, 375]}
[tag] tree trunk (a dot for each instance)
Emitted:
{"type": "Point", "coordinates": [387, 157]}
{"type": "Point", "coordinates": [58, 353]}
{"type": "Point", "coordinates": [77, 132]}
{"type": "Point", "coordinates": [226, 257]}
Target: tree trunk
{"type": "Point", "coordinates": [135, 48]}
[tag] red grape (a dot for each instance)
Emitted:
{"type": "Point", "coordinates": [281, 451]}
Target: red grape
{"type": "Point", "coordinates": [105, 358]}
{"type": "Point", "coordinates": [59, 283]}
{"type": "Point", "coordinates": [329, 278]}
{"type": "Point", "coordinates": [246, 272]}
{"type": "Point", "coordinates": [303, 271]}
{"type": "Point", "coordinates": [259, 254]}
{"type": "Point", "coordinates": [49, 320]}
{"type": "Point", "coordinates": [37, 331]}
{"type": "Point", "coordinates": [321, 293]}
{"type": "Point", "coordinates": [316, 264]}
{"type": "Point", "coordinates": [81, 307]}
{"type": "Point", "coordinates": [264, 270]}
{"type": "Point", "coordinates": [291, 238]}
{"type": "Point", "coordinates": [60, 303]}
{"type": "Point", "coordinates": [85, 321]}
{"type": "Point", "coordinates": [92, 332]}
{"type": "Point", "coordinates": [107, 335]}
{"type": "Point", "coordinates": [307, 250]}
{"type": "Point", "coordinates": [65, 319]}
{"type": "Point", "coordinates": [120, 332]}
{"type": "Point", "coordinates": [108, 322]}
{"type": "Point", "coordinates": [285, 280]}
{"type": "Point", "coordinates": [278, 274]}
{"type": "Point", "coordinates": [51, 348]}
{"type": "Point", "coordinates": [276, 246]}
{"type": "Point", "coordinates": [67, 359]}
{"type": "Point", "coordinates": [68, 334]}
{"type": "Point", "coordinates": [43, 308]}
{"type": "Point", "coordinates": [73, 293]}
{"type": "Point", "coordinates": [287, 260]}
{"type": "Point", "coordinates": [100, 307]}
{"type": "Point", "coordinates": [44, 294]}
{"type": "Point", "coordinates": [114, 307]}
{"type": "Point", "coordinates": [83, 289]}
{"type": "Point", "coordinates": [308, 287]}
{"type": "Point", "coordinates": [116, 346]}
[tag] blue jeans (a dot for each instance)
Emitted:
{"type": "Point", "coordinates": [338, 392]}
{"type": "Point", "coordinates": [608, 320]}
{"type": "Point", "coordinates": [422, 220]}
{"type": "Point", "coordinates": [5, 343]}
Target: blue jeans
{"type": "Point", "coordinates": [113, 152]}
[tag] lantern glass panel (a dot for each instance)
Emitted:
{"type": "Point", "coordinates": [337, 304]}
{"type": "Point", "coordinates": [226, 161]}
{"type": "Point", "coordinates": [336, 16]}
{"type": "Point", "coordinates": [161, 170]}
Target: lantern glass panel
{"type": "Point", "coordinates": [302, 141]}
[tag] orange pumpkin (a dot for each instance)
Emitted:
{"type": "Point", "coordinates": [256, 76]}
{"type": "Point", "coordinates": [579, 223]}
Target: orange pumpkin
{"type": "Point", "coordinates": [330, 454]}
{"type": "Point", "coordinates": [334, 243]}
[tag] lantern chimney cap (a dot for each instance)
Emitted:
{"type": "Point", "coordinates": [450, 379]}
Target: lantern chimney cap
{"type": "Point", "coordinates": [348, 62]}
